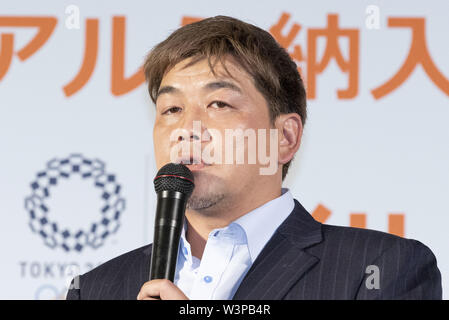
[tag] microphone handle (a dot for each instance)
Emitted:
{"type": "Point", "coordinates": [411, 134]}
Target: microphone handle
{"type": "Point", "coordinates": [168, 225]}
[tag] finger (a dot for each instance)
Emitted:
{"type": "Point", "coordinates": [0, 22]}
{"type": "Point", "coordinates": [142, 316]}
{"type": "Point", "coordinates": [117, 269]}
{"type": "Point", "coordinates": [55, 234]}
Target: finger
{"type": "Point", "coordinates": [169, 291]}
{"type": "Point", "coordinates": [149, 289]}
{"type": "Point", "coordinates": [162, 288]}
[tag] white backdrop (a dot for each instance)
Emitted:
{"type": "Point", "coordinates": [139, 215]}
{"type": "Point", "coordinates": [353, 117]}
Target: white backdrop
{"type": "Point", "coordinates": [84, 161]}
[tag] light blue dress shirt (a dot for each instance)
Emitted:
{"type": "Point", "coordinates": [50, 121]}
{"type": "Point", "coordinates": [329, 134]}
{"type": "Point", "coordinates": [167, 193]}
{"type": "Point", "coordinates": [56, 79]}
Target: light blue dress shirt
{"type": "Point", "coordinates": [229, 251]}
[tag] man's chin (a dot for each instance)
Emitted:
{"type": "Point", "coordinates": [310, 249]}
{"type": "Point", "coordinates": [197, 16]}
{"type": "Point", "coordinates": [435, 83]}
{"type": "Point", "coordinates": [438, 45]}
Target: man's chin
{"type": "Point", "coordinates": [203, 202]}
{"type": "Point", "coordinates": [207, 192]}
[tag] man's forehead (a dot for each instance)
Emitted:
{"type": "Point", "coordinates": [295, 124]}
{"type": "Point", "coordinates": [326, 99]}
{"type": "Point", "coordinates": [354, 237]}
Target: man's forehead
{"type": "Point", "coordinates": [225, 69]}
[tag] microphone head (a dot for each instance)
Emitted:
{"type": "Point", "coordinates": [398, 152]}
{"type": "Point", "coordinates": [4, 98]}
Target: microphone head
{"type": "Point", "coordinates": [174, 177]}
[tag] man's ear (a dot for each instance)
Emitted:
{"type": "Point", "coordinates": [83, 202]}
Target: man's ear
{"type": "Point", "coordinates": [290, 130]}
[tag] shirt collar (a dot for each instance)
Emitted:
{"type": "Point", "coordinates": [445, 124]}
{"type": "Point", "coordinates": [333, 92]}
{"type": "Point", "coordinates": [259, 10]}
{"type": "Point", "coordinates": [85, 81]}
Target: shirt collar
{"type": "Point", "coordinates": [259, 225]}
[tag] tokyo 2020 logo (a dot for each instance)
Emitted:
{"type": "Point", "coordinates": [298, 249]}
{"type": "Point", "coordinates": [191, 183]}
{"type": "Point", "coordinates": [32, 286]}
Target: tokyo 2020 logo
{"type": "Point", "coordinates": [91, 171]}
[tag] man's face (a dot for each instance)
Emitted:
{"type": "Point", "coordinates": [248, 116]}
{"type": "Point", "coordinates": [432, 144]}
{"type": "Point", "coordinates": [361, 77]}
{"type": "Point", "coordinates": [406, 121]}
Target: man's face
{"type": "Point", "coordinates": [204, 105]}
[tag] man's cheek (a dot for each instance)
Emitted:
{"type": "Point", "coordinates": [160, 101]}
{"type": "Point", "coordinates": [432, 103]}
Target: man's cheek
{"type": "Point", "coordinates": [161, 151]}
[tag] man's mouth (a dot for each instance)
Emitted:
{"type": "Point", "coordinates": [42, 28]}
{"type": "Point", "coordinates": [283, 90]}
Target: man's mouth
{"type": "Point", "coordinates": [194, 164]}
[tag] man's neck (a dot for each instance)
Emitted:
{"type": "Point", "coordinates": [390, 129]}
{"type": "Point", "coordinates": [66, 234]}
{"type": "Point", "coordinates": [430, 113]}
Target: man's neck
{"type": "Point", "coordinates": [200, 224]}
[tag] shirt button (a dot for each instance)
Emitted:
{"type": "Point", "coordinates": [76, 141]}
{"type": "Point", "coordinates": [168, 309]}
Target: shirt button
{"type": "Point", "coordinates": [184, 250]}
{"type": "Point", "coordinates": [207, 279]}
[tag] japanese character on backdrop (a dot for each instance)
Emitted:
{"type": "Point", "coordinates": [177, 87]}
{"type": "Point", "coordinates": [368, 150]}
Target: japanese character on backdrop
{"type": "Point", "coordinates": [418, 55]}
{"type": "Point", "coordinates": [45, 25]}
{"type": "Point", "coordinates": [350, 66]}
{"type": "Point", "coordinates": [120, 85]}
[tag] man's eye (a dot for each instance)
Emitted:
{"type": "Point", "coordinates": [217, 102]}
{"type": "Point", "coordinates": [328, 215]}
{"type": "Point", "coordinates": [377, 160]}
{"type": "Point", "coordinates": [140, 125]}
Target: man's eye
{"type": "Point", "coordinates": [219, 105]}
{"type": "Point", "coordinates": [172, 110]}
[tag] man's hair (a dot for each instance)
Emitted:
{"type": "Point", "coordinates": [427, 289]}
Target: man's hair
{"type": "Point", "coordinates": [274, 73]}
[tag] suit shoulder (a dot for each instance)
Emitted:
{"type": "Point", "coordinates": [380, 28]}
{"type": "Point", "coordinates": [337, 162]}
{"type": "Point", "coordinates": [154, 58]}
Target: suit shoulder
{"type": "Point", "coordinates": [369, 242]}
{"type": "Point", "coordinates": [349, 233]}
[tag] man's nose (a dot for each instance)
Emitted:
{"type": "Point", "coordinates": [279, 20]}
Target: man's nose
{"type": "Point", "coordinates": [188, 136]}
{"type": "Point", "coordinates": [192, 126]}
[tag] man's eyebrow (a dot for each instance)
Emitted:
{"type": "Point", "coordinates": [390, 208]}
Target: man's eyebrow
{"type": "Point", "coordinates": [222, 84]}
{"type": "Point", "coordinates": [167, 89]}
{"type": "Point", "coordinates": [215, 85]}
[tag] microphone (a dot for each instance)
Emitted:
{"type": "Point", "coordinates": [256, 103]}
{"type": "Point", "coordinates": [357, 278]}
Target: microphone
{"type": "Point", "coordinates": [174, 184]}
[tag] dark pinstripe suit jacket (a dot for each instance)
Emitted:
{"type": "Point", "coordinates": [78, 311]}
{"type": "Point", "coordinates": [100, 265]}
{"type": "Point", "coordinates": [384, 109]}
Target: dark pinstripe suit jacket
{"type": "Point", "coordinates": [304, 259]}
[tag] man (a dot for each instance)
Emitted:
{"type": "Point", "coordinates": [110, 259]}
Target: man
{"type": "Point", "coordinates": [245, 237]}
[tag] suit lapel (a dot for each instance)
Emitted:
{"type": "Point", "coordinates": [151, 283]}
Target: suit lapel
{"type": "Point", "coordinates": [283, 261]}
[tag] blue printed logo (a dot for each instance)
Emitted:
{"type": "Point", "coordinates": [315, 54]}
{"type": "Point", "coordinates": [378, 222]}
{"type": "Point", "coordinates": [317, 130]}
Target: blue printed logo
{"type": "Point", "coordinates": [91, 171]}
